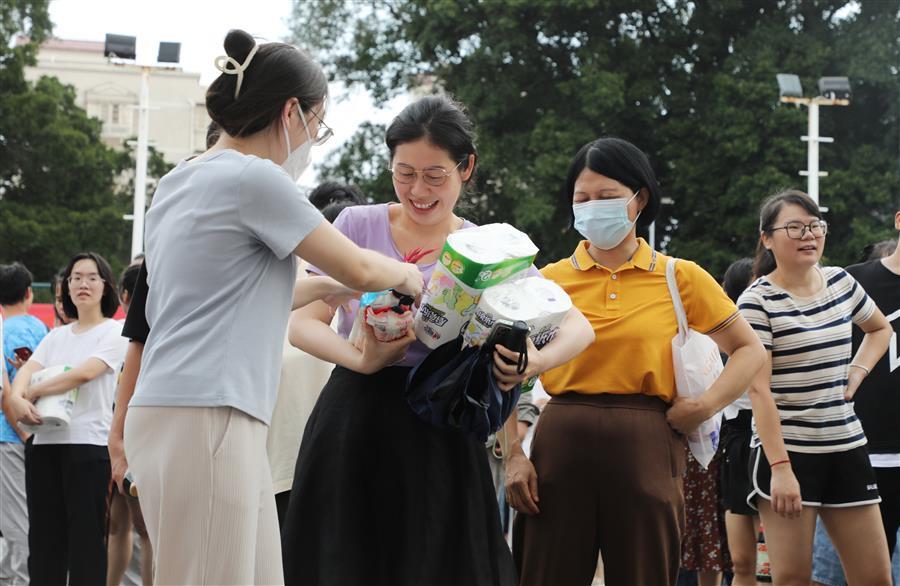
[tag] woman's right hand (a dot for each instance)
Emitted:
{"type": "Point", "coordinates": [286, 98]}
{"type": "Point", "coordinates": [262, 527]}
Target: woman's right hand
{"type": "Point", "coordinates": [413, 281]}
{"type": "Point", "coordinates": [117, 461]}
{"type": "Point", "coordinates": [24, 410]}
{"type": "Point", "coordinates": [785, 489]}
{"type": "Point", "coordinates": [375, 355]}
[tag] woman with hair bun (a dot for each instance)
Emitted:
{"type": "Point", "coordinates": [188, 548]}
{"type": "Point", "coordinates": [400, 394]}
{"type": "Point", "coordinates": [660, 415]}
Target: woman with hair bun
{"type": "Point", "coordinates": [221, 237]}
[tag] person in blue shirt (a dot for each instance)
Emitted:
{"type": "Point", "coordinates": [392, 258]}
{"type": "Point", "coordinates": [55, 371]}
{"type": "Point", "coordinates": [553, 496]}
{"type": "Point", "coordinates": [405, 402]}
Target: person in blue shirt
{"type": "Point", "coordinates": [20, 330]}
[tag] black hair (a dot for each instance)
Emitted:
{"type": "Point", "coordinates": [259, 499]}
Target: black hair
{"type": "Point", "coordinates": [878, 250]}
{"type": "Point", "coordinates": [276, 73]}
{"type": "Point", "coordinates": [443, 122]}
{"type": "Point", "coordinates": [331, 192]}
{"type": "Point", "coordinates": [737, 277]}
{"type": "Point", "coordinates": [213, 132]}
{"type": "Point", "coordinates": [15, 280]}
{"type": "Point", "coordinates": [768, 213]}
{"type": "Point", "coordinates": [109, 303]}
{"type": "Point", "coordinates": [334, 209]}
{"type": "Point", "coordinates": [620, 160]}
{"type": "Point", "coordinates": [57, 284]}
{"type": "Point", "coordinates": [128, 280]}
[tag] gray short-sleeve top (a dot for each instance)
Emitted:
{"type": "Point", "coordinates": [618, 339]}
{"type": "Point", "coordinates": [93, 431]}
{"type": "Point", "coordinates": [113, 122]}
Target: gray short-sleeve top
{"type": "Point", "coordinates": [219, 238]}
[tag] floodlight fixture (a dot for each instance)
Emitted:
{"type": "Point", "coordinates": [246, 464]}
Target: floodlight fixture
{"type": "Point", "coordinates": [119, 46]}
{"type": "Point", "coordinates": [789, 85]}
{"type": "Point", "coordinates": [169, 52]}
{"type": "Point", "coordinates": [834, 88]}
{"type": "Point", "coordinates": [833, 91]}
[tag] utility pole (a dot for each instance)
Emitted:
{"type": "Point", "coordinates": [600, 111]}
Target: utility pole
{"type": "Point", "coordinates": [835, 91]}
{"type": "Point", "coordinates": [140, 172]}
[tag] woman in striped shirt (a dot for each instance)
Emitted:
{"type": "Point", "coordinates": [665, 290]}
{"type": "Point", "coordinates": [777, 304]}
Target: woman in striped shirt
{"type": "Point", "coordinates": [802, 313]}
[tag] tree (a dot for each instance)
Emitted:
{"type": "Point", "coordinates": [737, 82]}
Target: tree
{"type": "Point", "coordinates": [58, 182]}
{"type": "Point", "coordinates": [62, 190]}
{"type": "Point", "coordinates": [691, 83]}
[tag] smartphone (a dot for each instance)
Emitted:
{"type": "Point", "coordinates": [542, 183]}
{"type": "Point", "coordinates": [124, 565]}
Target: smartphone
{"type": "Point", "coordinates": [513, 336]}
{"type": "Point", "coordinates": [23, 353]}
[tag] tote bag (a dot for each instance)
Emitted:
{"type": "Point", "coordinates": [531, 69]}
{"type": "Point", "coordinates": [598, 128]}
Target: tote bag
{"type": "Point", "coordinates": [697, 365]}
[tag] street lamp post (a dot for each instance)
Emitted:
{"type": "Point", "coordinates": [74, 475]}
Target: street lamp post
{"type": "Point", "coordinates": [834, 91]}
{"type": "Point", "coordinates": [140, 169]}
{"type": "Point", "coordinates": [120, 50]}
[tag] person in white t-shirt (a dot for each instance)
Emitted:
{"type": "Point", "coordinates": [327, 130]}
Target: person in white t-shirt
{"type": "Point", "coordinates": [68, 469]}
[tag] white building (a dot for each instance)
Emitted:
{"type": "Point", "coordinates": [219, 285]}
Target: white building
{"type": "Point", "coordinates": [110, 93]}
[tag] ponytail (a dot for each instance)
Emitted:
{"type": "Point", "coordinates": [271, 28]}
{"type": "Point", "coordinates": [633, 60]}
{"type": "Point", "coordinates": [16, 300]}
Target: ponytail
{"type": "Point", "coordinates": [764, 263]}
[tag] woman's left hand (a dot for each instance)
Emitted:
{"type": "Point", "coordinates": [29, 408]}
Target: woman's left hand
{"type": "Point", "coordinates": [686, 414]}
{"type": "Point", "coordinates": [506, 374]}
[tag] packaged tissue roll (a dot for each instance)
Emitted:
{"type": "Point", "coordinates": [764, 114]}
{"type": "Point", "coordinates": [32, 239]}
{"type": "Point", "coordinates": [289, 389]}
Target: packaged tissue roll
{"type": "Point", "coordinates": [471, 261]}
{"type": "Point", "coordinates": [55, 410]}
{"type": "Point", "coordinates": [540, 303]}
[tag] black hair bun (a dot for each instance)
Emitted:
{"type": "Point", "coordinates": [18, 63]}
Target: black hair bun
{"type": "Point", "coordinates": [238, 44]}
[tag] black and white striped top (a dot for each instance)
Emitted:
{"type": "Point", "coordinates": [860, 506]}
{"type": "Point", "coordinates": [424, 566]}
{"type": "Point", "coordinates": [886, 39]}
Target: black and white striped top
{"type": "Point", "coordinates": [810, 341]}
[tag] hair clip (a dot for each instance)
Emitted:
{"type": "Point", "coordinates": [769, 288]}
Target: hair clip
{"type": "Point", "coordinates": [223, 61]}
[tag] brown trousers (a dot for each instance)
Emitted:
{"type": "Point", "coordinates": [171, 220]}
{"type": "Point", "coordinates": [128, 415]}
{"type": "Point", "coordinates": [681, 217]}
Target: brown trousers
{"type": "Point", "coordinates": [609, 473]}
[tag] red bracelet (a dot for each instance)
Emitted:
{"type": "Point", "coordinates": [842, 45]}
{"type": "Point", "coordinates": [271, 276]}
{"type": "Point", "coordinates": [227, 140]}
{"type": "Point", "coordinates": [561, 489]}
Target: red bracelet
{"type": "Point", "coordinates": [773, 464]}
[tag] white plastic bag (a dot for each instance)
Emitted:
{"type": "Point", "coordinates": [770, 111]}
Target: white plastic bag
{"type": "Point", "coordinates": [697, 365]}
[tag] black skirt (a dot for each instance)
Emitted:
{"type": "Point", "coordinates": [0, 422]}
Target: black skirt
{"type": "Point", "coordinates": [380, 497]}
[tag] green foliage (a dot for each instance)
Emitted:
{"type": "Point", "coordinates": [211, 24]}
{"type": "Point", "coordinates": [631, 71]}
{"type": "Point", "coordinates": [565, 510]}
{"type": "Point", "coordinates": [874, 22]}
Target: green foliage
{"type": "Point", "coordinates": [29, 19]}
{"type": "Point", "coordinates": [57, 182]}
{"type": "Point", "coordinates": [691, 83]}
{"type": "Point", "coordinates": [62, 190]}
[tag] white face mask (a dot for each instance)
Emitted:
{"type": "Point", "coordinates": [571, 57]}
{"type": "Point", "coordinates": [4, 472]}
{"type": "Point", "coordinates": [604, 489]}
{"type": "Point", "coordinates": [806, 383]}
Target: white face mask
{"type": "Point", "coordinates": [298, 160]}
{"type": "Point", "coordinates": [604, 222]}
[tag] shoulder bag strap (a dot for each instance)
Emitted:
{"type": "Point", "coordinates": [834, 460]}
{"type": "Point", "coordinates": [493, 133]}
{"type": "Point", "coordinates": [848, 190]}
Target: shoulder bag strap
{"type": "Point", "coordinates": [676, 297]}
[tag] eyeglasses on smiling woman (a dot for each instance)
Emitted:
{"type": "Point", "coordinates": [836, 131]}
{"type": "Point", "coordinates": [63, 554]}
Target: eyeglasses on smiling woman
{"type": "Point", "coordinates": [797, 230]}
{"type": "Point", "coordinates": [434, 176]}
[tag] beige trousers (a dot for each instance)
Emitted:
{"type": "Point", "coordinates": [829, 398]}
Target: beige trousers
{"type": "Point", "coordinates": [206, 494]}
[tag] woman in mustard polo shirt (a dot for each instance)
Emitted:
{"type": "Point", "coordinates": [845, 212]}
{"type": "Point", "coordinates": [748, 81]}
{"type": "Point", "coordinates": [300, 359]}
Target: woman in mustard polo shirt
{"type": "Point", "coordinates": [607, 453]}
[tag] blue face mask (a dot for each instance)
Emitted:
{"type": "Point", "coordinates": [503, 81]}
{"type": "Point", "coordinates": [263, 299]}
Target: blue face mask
{"type": "Point", "coordinates": [604, 221]}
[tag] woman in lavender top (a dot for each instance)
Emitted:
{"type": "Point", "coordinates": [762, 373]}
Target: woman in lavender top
{"type": "Point", "coordinates": [379, 496]}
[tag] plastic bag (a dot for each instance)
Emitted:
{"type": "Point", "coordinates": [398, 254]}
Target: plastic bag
{"type": "Point", "coordinates": [697, 365]}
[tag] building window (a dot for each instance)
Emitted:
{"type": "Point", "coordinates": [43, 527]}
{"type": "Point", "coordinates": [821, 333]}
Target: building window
{"type": "Point", "coordinates": [114, 115]}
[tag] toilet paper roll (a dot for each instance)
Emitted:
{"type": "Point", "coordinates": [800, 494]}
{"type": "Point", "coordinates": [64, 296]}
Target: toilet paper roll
{"type": "Point", "coordinates": [540, 303]}
{"type": "Point", "coordinates": [471, 261]}
{"type": "Point", "coordinates": [55, 410]}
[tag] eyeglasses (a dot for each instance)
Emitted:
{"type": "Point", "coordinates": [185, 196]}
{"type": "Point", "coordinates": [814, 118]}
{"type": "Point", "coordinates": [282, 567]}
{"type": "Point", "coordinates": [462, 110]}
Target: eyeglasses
{"type": "Point", "coordinates": [89, 279]}
{"type": "Point", "coordinates": [325, 132]}
{"type": "Point", "coordinates": [797, 230]}
{"type": "Point", "coordinates": [434, 176]}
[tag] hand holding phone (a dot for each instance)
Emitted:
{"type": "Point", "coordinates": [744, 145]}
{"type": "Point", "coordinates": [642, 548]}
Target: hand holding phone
{"type": "Point", "coordinates": [20, 357]}
{"type": "Point", "coordinates": [512, 336]}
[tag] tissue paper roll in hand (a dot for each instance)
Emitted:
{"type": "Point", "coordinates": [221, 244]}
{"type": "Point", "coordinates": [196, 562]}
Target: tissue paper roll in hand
{"type": "Point", "coordinates": [471, 261]}
{"type": "Point", "coordinates": [56, 410]}
{"type": "Point", "coordinates": [540, 303]}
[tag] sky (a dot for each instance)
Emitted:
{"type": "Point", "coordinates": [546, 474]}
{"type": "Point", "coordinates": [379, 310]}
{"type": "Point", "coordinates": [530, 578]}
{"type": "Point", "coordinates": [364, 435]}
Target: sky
{"type": "Point", "coordinates": [200, 26]}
